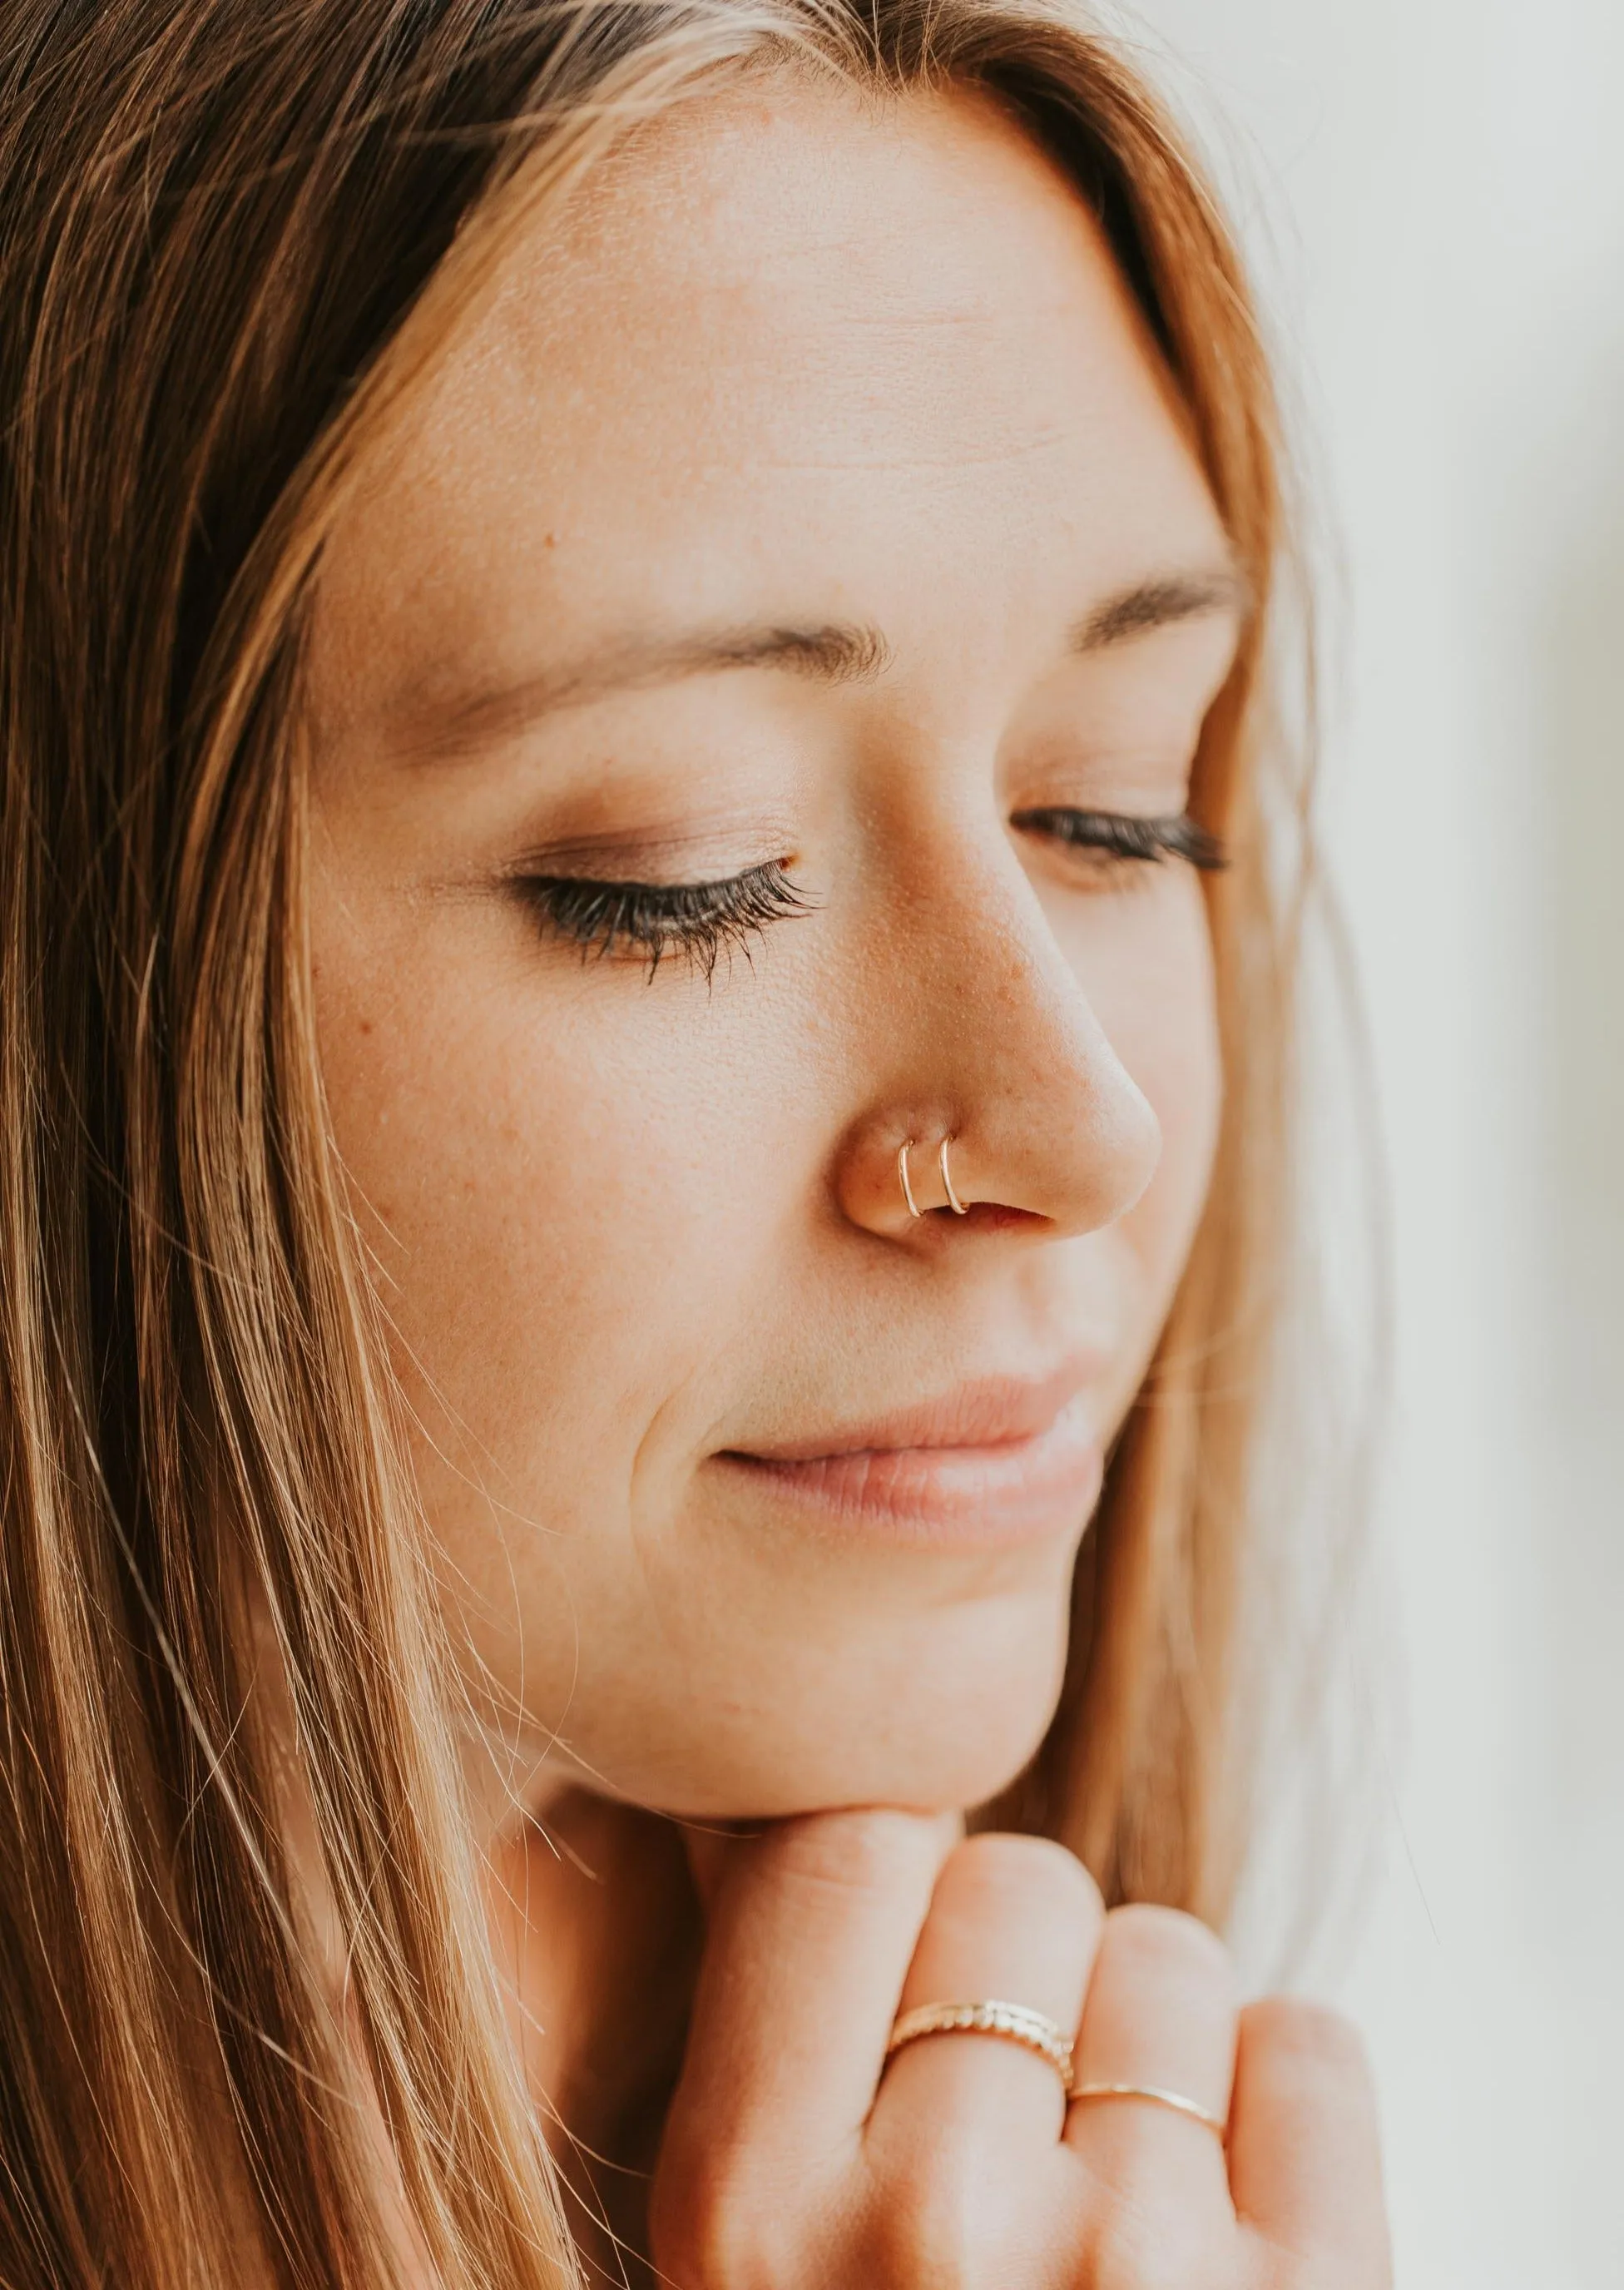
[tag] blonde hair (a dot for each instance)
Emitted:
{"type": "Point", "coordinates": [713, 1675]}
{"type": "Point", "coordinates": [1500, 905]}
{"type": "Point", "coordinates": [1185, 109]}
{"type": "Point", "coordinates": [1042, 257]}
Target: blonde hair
{"type": "Point", "coordinates": [231, 239]}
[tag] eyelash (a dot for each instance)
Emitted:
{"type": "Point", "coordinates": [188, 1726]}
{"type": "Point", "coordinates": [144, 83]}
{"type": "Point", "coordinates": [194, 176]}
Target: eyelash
{"type": "Point", "coordinates": [701, 921]}
{"type": "Point", "coordinates": [704, 921]}
{"type": "Point", "coordinates": [1120, 836]}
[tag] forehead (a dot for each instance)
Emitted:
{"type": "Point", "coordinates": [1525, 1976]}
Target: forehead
{"type": "Point", "coordinates": [791, 346]}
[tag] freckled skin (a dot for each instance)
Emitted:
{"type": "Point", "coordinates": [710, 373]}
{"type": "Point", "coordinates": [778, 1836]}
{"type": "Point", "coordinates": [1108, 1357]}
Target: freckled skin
{"type": "Point", "coordinates": [801, 366]}
{"type": "Point", "coordinates": [794, 360]}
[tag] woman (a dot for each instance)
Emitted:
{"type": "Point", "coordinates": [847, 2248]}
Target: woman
{"type": "Point", "coordinates": [645, 971]}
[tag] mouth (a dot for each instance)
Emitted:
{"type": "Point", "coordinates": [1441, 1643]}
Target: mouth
{"type": "Point", "coordinates": [993, 1463]}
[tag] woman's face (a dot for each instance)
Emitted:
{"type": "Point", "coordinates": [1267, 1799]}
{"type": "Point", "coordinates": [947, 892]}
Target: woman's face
{"type": "Point", "coordinates": [807, 519]}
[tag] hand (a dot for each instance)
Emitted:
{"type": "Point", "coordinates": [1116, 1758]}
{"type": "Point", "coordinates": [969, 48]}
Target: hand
{"type": "Point", "coordinates": [796, 2157]}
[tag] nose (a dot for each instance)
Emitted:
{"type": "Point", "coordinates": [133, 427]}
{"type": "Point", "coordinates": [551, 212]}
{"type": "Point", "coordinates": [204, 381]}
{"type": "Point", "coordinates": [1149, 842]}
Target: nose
{"type": "Point", "coordinates": [988, 1045]}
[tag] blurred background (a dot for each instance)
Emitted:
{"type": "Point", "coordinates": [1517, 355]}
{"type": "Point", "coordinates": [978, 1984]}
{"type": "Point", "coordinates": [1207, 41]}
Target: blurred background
{"type": "Point", "coordinates": [1433, 193]}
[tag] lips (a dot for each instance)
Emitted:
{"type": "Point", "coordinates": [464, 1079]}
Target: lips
{"type": "Point", "coordinates": [993, 1462]}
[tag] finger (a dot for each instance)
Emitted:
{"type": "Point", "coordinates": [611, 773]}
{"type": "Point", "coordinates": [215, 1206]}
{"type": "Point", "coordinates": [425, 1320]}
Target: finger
{"type": "Point", "coordinates": [811, 1928]}
{"type": "Point", "coordinates": [711, 1851]}
{"type": "Point", "coordinates": [1012, 1920]}
{"type": "Point", "coordinates": [1305, 2162]}
{"type": "Point", "coordinates": [1161, 2016]}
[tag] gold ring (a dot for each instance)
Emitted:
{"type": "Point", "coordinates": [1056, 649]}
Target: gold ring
{"type": "Point", "coordinates": [1157, 2097]}
{"type": "Point", "coordinates": [954, 1202]}
{"type": "Point", "coordinates": [1015, 2022]}
{"type": "Point", "coordinates": [914, 1208]}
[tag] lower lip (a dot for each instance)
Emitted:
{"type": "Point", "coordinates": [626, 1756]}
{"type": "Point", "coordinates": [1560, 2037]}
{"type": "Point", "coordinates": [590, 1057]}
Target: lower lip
{"type": "Point", "coordinates": [960, 1498]}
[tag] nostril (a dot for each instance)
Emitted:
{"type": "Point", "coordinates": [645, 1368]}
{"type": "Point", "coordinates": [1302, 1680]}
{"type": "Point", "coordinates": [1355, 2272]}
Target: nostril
{"type": "Point", "coordinates": [988, 1216]}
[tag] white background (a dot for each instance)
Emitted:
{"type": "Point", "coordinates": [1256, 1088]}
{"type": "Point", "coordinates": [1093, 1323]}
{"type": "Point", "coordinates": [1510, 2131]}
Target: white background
{"type": "Point", "coordinates": [1433, 191]}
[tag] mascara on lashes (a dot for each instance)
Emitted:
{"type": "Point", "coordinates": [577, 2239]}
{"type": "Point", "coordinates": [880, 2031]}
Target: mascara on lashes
{"type": "Point", "coordinates": [703, 921]}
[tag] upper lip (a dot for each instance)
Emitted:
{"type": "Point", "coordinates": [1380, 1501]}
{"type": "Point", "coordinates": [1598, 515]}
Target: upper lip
{"type": "Point", "coordinates": [993, 1411]}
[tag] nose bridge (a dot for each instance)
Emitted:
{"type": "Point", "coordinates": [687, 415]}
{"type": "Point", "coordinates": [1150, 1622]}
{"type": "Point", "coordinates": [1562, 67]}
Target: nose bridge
{"type": "Point", "coordinates": [999, 1046]}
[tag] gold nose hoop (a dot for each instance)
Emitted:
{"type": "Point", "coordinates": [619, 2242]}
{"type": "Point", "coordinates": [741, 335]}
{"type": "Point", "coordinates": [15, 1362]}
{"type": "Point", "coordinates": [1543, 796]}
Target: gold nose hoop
{"type": "Point", "coordinates": [914, 1208]}
{"type": "Point", "coordinates": [906, 1181]}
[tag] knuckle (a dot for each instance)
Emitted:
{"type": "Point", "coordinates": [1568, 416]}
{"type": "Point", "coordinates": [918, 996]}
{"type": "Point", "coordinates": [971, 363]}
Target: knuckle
{"type": "Point", "coordinates": [850, 1854]}
{"type": "Point", "coordinates": [998, 1871]}
{"type": "Point", "coordinates": [1144, 2249]}
{"type": "Point", "coordinates": [1132, 2267]}
{"type": "Point", "coordinates": [1308, 2037]}
{"type": "Point", "coordinates": [1166, 1941]}
{"type": "Point", "coordinates": [709, 2230]}
{"type": "Point", "coordinates": [943, 2224]}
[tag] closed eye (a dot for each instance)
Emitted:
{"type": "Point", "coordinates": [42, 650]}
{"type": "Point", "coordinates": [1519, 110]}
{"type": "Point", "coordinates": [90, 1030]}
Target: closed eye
{"type": "Point", "coordinates": [700, 921]}
{"type": "Point", "coordinates": [1126, 837]}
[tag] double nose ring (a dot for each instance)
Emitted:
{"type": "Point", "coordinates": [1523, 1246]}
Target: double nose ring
{"type": "Point", "coordinates": [906, 1181]}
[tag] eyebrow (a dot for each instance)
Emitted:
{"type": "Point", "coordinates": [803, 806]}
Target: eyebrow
{"type": "Point", "coordinates": [834, 654]}
{"type": "Point", "coordinates": [1161, 603]}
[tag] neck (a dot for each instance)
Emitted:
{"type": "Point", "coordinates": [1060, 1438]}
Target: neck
{"type": "Point", "coordinates": [596, 1930]}
{"type": "Point", "coordinates": [597, 1927]}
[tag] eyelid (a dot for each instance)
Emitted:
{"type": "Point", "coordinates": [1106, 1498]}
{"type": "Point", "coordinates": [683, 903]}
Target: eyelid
{"type": "Point", "coordinates": [1131, 836]}
{"type": "Point", "coordinates": [699, 920]}
{"type": "Point", "coordinates": [722, 849]}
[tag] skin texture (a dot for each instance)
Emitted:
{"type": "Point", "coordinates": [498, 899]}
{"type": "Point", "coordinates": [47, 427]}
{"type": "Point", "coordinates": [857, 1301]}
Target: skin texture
{"type": "Point", "coordinates": [799, 362]}
{"type": "Point", "coordinates": [623, 1223]}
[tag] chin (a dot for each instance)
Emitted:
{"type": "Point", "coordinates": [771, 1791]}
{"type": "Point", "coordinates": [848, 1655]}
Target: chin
{"type": "Point", "coordinates": [936, 1775]}
{"type": "Point", "coordinates": [934, 1752]}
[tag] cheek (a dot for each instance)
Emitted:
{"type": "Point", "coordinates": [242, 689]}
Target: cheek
{"type": "Point", "coordinates": [1173, 1025]}
{"type": "Point", "coordinates": [1147, 966]}
{"type": "Point", "coordinates": [547, 1163]}
{"type": "Point", "coordinates": [527, 1174]}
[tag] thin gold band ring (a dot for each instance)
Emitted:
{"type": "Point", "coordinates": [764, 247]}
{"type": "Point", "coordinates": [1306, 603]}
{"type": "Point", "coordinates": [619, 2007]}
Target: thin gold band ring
{"type": "Point", "coordinates": [1015, 2022]}
{"type": "Point", "coordinates": [1157, 2097]}
{"type": "Point", "coordinates": [1034, 2031]}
